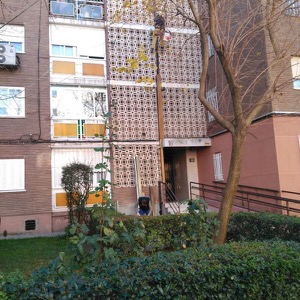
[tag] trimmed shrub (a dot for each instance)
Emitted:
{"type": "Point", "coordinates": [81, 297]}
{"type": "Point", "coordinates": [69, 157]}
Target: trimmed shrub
{"type": "Point", "coordinates": [174, 232]}
{"type": "Point", "coordinates": [268, 270]}
{"type": "Point", "coordinates": [263, 226]}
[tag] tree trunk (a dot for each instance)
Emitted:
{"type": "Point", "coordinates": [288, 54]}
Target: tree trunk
{"type": "Point", "coordinates": [237, 150]}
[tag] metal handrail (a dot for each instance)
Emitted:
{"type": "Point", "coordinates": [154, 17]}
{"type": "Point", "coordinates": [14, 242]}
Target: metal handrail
{"type": "Point", "coordinates": [241, 186]}
{"type": "Point", "coordinates": [245, 200]}
{"type": "Point", "coordinates": [166, 195]}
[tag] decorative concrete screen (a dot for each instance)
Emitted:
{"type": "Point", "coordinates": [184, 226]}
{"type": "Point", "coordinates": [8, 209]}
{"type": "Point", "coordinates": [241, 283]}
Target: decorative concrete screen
{"type": "Point", "coordinates": [134, 105]}
{"type": "Point", "coordinates": [123, 164]}
{"type": "Point", "coordinates": [135, 113]}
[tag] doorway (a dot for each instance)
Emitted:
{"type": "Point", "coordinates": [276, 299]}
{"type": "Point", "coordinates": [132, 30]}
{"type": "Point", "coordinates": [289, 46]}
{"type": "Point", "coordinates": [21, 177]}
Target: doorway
{"type": "Point", "coordinates": [176, 172]}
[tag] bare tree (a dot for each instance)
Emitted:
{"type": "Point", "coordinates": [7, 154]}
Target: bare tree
{"type": "Point", "coordinates": [253, 62]}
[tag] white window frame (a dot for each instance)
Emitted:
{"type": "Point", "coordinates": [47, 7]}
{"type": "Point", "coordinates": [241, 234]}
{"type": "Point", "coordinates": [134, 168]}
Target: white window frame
{"type": "Point", "coordinates": [62, 50]}
{"type": "Point", "coordinates": [11, 103]}
{"type": "Point", "coordinates": [212, 98]}
{"type": "Point", "coordinates": [295, 63]}
{"type": "Point", "coordinates": [14, 34]}
{"type": "Point", "coordinates": [218, 168]}
{"type": "Point", "coordinates": [97, 176]}
{"type": "Point", "coordinates": [69, 102]}
{"type": "Point", "coordinates": [12, 175]}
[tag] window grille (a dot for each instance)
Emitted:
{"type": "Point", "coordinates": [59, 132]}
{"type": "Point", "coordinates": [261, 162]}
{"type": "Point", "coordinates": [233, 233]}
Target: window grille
{"type": "Point", "coordinates": [212, 98]}
{"type": "Point", "coordinates": [211, 49]}
{"type": "Point", "coordinates": [218, 170]}
{"type": "Point", "coordinates": [30, 225]}
{"type": "Point", "coordinates": [293, 7]}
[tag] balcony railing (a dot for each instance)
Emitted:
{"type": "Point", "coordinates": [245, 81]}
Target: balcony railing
{"type": "Point", "coordinates": [247, 198]}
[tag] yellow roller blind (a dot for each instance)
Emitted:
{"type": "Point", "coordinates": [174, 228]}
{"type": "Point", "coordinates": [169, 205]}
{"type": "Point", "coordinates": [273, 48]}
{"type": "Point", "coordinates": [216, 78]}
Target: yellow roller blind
{"type": "Point", "coordinates": [62, 129]}
{"type": "Point", "coordinates": [93, 69]}
{"type": "Point", "coordinates": [63, 67]}
{"type": "Point", "coordinates": [61, 199]}
{"type": "Point", "coordinates": [92, 129]}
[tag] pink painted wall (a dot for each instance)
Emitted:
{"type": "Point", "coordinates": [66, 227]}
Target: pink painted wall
{"type": "Point", "coordinates": [16, 224]}
{"type": "Point", "coordinates": [260, 167]}
{"type": "Point", "coordinates": [221, 143]}
{"type": "Point", "coordinates": [288, 152]}
{"type": "Point", "coordinates": [271, 158]}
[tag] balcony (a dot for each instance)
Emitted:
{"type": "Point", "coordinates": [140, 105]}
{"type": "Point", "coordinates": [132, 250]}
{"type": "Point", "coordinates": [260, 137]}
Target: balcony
{"type": "Point", "coordinates": [78, 71]}
{"type": "Point", "coordinates": [80, 10]}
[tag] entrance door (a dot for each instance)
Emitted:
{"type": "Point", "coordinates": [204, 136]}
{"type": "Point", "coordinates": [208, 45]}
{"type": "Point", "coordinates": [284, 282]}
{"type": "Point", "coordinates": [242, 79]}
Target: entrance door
{"type": "Point", "coordinates": [169, 172]}
{"type": "Point", "coordinates": [176, 172]}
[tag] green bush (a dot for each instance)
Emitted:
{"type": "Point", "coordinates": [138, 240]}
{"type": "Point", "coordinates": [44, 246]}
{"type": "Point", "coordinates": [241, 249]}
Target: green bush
{"type": "Point", "coordinates": [255, 270]}
{"type": "Point", "coordinates": [174, 232]}
{"type": "Point", "coordinates": [263, 226]}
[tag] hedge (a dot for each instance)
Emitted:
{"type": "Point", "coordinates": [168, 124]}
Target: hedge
{"type": "Point", "coordinates": [171, 232]}
{"type": "Point", "coordinates": [263, 226]}
{"type": "Point", "coordinates": [254, 270]}
{"type": "Point", "coordinates": [174, 232]}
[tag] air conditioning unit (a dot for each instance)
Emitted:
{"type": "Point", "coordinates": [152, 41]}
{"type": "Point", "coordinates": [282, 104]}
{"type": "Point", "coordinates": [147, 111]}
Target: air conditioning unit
{"type": "Point", "coordinates": [8, 55]}
{"type": "Point", "coordinates": [91, 12]}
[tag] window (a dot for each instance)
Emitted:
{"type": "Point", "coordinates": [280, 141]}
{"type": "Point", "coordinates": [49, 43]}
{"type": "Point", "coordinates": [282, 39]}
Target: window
{"type": "Point", "coordinates": [218, 170]}
{"type": "Point", "coordinates": [295, 62]}
{"type": "Point", "coordinates": [88, 156]}
{"type": "Point", "coordinates": [293, 7]}
{"type": "Point", "coordinates": [211, 49]}
{"type": "Point", "coordinates": [61, 50]}
{"type": "Point", "coordinates": [18, 45]}
{"type": "Point", "coordinates": [91, 12]}
{"type": "Point", "coordinates": [12, 102]}
{"type": "Point", "coordinates": [12, 176]}
{"type": "Point", "coordinates": [62, 8]}
{"type": "Point", "coordinates": [98, 176]}
{"type": "Point", "coordinates": [13, 34]}
{"type": "Point", "coordinates": [70, 102]}
{"type": "Point", "coordinates": [84, 45]}
{"type": "Point", "coordinates": [212, 98]}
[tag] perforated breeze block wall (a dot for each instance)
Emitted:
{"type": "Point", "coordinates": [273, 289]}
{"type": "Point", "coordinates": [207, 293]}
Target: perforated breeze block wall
{"type": "Point", "coordinates": [134, 106]}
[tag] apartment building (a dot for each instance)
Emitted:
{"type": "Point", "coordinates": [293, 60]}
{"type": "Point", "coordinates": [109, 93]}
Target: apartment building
{"type": "Point", "coordinates": [78, 93]}
{"type": "Point", "coordinates": [25, 148]}
{"type": "Point", "coordinates": [272, 150]}
{"type": "Point", "coordinates": [53, 104]}
{"type": "Point", "coordinates": [57, 95]}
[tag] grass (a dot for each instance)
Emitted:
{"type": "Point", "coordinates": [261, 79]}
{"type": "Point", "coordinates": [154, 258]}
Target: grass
{"type": "Point", "coordinates": [26, 255]}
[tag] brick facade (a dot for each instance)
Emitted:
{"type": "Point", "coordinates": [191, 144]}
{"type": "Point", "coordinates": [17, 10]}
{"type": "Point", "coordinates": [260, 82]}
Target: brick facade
{"type": "Point", "coordinates": [28, 138]}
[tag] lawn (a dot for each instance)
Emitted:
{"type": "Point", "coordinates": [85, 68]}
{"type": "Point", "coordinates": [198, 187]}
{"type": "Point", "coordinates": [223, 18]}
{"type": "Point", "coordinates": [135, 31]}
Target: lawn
{"type": "Point", "coordinates": [27, 255]}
